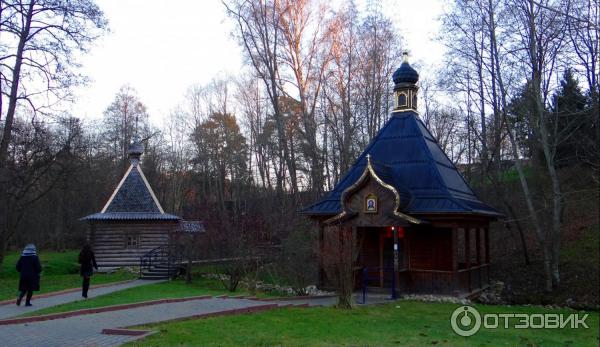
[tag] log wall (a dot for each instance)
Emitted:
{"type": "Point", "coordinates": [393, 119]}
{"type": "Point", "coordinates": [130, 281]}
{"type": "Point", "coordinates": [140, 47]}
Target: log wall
{"type": "Point", "coordinates": [109, 241]}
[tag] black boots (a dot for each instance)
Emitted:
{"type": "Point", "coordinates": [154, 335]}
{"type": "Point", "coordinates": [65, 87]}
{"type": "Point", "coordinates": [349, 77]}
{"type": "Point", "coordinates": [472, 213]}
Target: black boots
{"type": "Point", "coordinates": [85, 286]}
{"type": "Point", "coordinates": [27, 300]}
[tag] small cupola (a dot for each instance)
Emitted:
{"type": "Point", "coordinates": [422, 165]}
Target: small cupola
{"type": "Point", "coordinates": [135, 151]}
{"type": "Point", "coordinates": [405, 86]}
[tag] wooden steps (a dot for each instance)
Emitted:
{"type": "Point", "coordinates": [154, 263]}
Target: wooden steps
{"type": "Point", "coordinates": [159, 272]}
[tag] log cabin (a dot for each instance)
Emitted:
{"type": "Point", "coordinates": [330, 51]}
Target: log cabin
{"type": "Point", "coordinates": [419, 227]}
{"type": "Point", "coordinates": [133, 225]}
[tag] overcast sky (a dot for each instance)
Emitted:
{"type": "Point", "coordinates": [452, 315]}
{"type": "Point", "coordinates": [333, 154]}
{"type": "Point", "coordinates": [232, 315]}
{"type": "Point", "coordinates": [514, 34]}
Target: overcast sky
{"type": "Point", "coordinates": [162, 47]}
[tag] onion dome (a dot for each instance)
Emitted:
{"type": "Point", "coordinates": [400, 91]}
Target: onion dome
{"type": "Point", "coordinates": [405, 73]}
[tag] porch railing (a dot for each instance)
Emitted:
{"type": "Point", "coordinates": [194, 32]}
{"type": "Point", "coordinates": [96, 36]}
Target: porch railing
{"type": "Point", "coordinates": [169, 256]}
{"type": "Point", "coordinates": [463, 281]}
{"type": "Point", "coordinates": [366, 277]}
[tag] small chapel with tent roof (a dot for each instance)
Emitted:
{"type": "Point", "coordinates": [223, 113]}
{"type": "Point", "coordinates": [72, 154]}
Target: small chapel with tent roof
{"type": "Point", "coordinates": [420, 227]}
{"type": "Point", "coordinates": [132, 229]}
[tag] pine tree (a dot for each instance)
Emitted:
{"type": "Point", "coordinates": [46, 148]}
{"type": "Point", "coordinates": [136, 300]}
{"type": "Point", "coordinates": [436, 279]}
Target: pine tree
{"type": "Point", "coordinates": [571, 114]}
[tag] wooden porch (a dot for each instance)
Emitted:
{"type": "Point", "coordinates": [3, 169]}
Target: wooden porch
{"type": "Point", "coordinates": [447, 261]}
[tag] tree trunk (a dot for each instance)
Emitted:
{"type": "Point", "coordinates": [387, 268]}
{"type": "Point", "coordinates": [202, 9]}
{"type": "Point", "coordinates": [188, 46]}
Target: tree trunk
{"type": "Point", "coordinates": [346, 282]}
{"type": "Point", "coordinates": [553, 246]}
{"type": "Point", "coordinates": [188, 271]}
{"type": "Point", "coordinates": [500, 112]}
{"type": "Point", "coordinates": [484, 142]}
{"type": "Point", "coordinates": [512, 215]}
{"type": "Point", "coordinates": [2, 246]}
{"type": "Point", "coordinates": [556, 220]}
{"type": "Point", "coordinates": [530, 206]}
{"type": "Point", "coordinates": [547, 258]}
{"type": "Point", "coordinates": [14, 88]}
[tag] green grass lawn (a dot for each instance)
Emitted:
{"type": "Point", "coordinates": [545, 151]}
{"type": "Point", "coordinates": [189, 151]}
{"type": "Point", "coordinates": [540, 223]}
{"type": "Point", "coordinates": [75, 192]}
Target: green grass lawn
{"type": "Point", "coordinates": [405, 323]}
{"type": "Point", "coordinates": [156, 291]}
{"type": "Point", "coordinates": [59, 271]}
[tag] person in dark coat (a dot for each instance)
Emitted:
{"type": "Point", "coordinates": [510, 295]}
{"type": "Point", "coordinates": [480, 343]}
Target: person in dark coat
{"type": "Point", "coordinates": [29, 268]}
{"type": "Point", "coordinates": [88, 262]}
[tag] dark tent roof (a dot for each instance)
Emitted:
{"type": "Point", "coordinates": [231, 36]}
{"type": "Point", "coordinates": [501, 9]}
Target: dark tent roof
{"type": "Point", "coordinates": [133, 199]}
{"type": "Point", "coordinates": [133, 196]}
{"type": "Point", "coordinates": [405, 155]}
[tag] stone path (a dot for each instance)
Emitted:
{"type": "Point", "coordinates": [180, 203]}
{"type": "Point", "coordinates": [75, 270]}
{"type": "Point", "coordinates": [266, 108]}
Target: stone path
{"type": "Point", "coordinates": [86, 330]}
{"type": "Point", "coordinates": [12, 310]}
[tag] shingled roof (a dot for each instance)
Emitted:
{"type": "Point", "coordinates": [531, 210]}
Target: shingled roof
{"type": "Point", "coordinates": [405, 155]}
{"type": "Point", "coordinates": [133, 199]}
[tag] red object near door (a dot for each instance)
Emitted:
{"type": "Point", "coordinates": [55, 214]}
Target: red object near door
{"type": "Point", "coordinates": [400, 232]}
{"type": "Point", "coordinates": [388, 232]}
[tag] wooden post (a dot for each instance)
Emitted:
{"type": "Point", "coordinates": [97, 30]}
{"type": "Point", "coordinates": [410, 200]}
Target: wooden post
{"type": "Point", "coordinates": [478, 245]}
{"type": "Point", "coordinates": [478, 252]}
{"type": "Point", "coordinates": [353, 248]}
{"type": "Point", "coordinates": [321, 247]}
{"type": "Point", "coordinates": [455, 283]}
{"type": "Point", "coordinates": [468, 256]}
{"type": "Point", "coordinates": [487, 253]}
{"type": "Point", "coordinates": [396, 259]}
{"type": "Point", "coordinates": [407, 251]}
{"type": "Point", "coordinates": [381, 243]}
{"type": "Point", "coordinates": [487, 245]}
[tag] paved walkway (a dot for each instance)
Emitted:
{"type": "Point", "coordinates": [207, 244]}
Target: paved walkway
{"type": "Point", "coordinates": [12, 310]}
{"type": "Point", "coordinates": [86, 330]}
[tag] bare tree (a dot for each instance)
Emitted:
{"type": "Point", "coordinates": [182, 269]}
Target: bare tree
{"type": "Point", "coordinates": [37, 162]}
{"type": "Point", "coordinates": [380, 47]}
{"type": "Point", "coordinates": [234, 239]}
{"type": "Point", "coordinates": [221, 155]}
{"type": "Point", "coordinates": [176, 140]}
{"type": "Point", "coordinates": [339, 112]}
{"type": "Point", "coordinates": [39, 39]}
{"type": "Point", "coordinates": [533, 50]}
{"type": "Point", "coordinates": [543, 37]}
{"type": "Point", "coordinates": [302, 25]}
{"type": "Point", "coordinates": [583, 22]}
{"type": "Point", "coordinates": [124, 119]}
{"type": "Point", "coordinates": [340, 251]}
{"type": "Point", "coordinates": [253, 108]}
{"type": "Point", "coordinates": [257, 24]}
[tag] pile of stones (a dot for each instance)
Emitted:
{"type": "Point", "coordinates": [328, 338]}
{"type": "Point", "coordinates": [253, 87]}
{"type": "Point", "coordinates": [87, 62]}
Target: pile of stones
{"type": "Point", "coordinates": [493, 295]}
{"type": "Point", "coordinates": [436, 298]}
{"type": "Point", "coordinates": [311, 290]}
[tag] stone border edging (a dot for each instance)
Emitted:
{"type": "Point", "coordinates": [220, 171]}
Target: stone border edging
{"type": "Point", "coordinates": [275, 298]}
{"type": "Point", "coordinates": [234, 311]}
{"type": "Point", "coordinates": [126, 332]}
{"type": "Point", "coordinates": [284, 298]}
{"type": "Point", "coordinates": [231, 312]}
{"type": "Point", "coordinates": [67, 314]}
{"type": "Point", "coordinates": [60, 315]}
{"type": "Point", "coordinates": [68, 291]}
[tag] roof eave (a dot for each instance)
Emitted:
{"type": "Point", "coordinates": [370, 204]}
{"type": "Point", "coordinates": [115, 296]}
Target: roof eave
{"type": "Point", "coordinates": [130, 216]}
{"type": "Point", "coordinates": [486, 214]}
